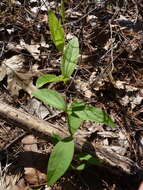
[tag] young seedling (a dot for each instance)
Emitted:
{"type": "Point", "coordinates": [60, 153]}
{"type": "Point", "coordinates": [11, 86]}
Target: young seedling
{"type": "Point", "coordinates": [85, 160]}
{"type": "Point", "coordinates": [68, 64]}
{"type": "Point", "coordinates": [56, 30]}
{"type": "Point", "coordinates": [70, 51]}
{"type": "Point", "coordinates": [76, 111]}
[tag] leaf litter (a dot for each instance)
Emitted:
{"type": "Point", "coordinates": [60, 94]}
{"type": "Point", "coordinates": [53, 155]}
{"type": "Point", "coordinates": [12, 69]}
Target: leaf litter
{"type": "Point", "coordinates": [110, 77]}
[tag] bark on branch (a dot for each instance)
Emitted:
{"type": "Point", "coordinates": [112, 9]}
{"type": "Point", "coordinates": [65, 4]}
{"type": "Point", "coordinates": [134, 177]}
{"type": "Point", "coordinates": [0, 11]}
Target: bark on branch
{"type": "Point", "coordinates": [45, 129]}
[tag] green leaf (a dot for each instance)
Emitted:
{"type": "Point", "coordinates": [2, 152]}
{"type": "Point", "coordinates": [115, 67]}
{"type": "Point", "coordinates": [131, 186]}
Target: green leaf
{"type": "Point", "coordinates": [57, 31]}
{"type": "Point", "coordinates": [83, 156]}
{"type": "Point", "coordinates": [60, 159]}
{"type": "Point", "coordinates": [90, 159]}
{"type": "Point", "coordinates": [49, 78]}
{"type": "Point", "coordinates": [70, 57]}
{"type": "Point", "coordinates": [86, 112]}
{"type": "Point", "coordinates": [77, 104]}
{"type": "Point", "coordinates": [93, 114]}
{"type": "Point", "coordinates": [62, 10]}
{"type": "Point", "coordinates": [81, 167]}
{"type": "Point", "coordinates": [74, 122]}
{"type": "Point", "coordinates": [50, 97]}
{"type": "Point", "coordinates": [87, 160]}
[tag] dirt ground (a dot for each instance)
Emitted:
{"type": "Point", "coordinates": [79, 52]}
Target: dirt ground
{"type": "Point", "coordinates": [109, 75]}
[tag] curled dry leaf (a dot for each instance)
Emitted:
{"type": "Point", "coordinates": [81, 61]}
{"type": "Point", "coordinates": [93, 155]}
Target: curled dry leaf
{"type": "Point", "coordinates": [16, 83]}
{"type": "Point", "coordinates": [16, 80]}
{"type": "Point", "coordinates": [33, 49]}
{"type": "Point", "coordinates": [14, 63]}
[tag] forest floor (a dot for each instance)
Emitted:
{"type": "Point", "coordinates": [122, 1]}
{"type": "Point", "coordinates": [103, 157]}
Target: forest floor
{"type": "Point", "coordinates": [109, 75]}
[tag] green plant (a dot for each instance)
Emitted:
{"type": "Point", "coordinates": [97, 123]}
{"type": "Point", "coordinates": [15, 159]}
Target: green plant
{"type": "Point", "coordinates": [70, 51]}
{"type": "Point", "coordinates": [75, 112]}
{"type": "Point", "coordinates": [57, 31]}
{"type": "Point", "coordinates": [85, 160]}
{"type": "Point", "coordinates": [68, 64]}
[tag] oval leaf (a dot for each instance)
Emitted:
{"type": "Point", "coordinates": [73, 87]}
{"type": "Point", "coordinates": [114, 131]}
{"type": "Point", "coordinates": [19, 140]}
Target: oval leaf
{"type": "Point", "coordinates": [49, 78]}
{"type": "Point", "coordinates": [60, 159]}
{"type": "Point", "coordinates": [93, 114]}
{"type": "Point", "coordinates": [50, 97]}
{"type": "Point", "coordinates": [74, 122]}
{"type": "Point", "coordinates": [57, 31]}
{"type": "Point", "coordinates": [70, 57]}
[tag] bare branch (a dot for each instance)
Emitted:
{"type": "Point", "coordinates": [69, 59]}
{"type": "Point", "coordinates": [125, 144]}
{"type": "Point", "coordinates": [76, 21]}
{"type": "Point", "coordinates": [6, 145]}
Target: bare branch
{"type": "Point", "coordinates": [45, 129]}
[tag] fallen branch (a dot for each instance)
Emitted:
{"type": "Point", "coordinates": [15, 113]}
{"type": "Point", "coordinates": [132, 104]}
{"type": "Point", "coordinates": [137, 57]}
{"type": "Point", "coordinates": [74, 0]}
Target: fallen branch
{"type": "Point", "coordinates": [45, 129]}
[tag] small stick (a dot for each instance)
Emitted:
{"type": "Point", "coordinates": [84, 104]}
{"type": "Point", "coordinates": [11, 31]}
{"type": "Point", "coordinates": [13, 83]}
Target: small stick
{"type": "Point", "coordinates": [45, 130]}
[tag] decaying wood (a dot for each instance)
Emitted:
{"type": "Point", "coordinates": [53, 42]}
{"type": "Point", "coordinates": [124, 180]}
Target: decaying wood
{"type": "Point", "coordinates": [45, 129]}
{"type": "Point", "coordinates": [29, 123]}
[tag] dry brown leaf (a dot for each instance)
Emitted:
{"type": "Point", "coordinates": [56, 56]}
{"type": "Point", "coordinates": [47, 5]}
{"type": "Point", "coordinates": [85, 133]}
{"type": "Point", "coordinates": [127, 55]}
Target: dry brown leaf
{"type": "Point", "coordinates": [32, 175]}
{"type": "Point", "coordinates": [134, 99]}
{"type": "Point", "coordinates": [16, 83]}
{"type": "Point", "coordinates": [30, 143]}
{"type": "Point", "coordinates": [11, 181]}
{"type": "Point", "coordinates": [33, 49]}
{"type": "Point", "coordinates": [16, 80]}
{"type": "Point", "coordinates": [14, 63]}
{"type": "Point", "coordinates": [35, 107]}
{"type": "Point", "coordinates": [13, 85]}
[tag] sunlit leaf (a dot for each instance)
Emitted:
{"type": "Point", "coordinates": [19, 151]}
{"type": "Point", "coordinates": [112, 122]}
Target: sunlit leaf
{"type": "Point", "coordinates": [89, 158]}
{"type": "Point", "coordinates": [50, 97]}
{"type": "Point", "coordinates": [83, 156]}
{"type": "Point", "coordinates": [86, 112]}
{"type": "Point", "coordinates": [93, 114]}
{"type": "Point", "coordinates": [57, 31]}
{"type": "Point", "coordinates": [70, 57]}
{"type": "Point", "coordinates": [60, 159]}
{"type": "Point", "coordinates": [42, 80]}
{"type": "Point", "coordinates": [86, 161]}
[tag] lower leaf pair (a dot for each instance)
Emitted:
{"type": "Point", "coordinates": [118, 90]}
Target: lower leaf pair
{"type": "Point", "coordinates": [77, 111]}
{"type": "Point", "coordinates": [60, 159]}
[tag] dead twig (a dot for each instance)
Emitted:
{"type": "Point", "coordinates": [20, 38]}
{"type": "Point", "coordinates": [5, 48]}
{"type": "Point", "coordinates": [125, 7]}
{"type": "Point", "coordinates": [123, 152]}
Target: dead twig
{"type": "Point", "coordinates": [45, 129]}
